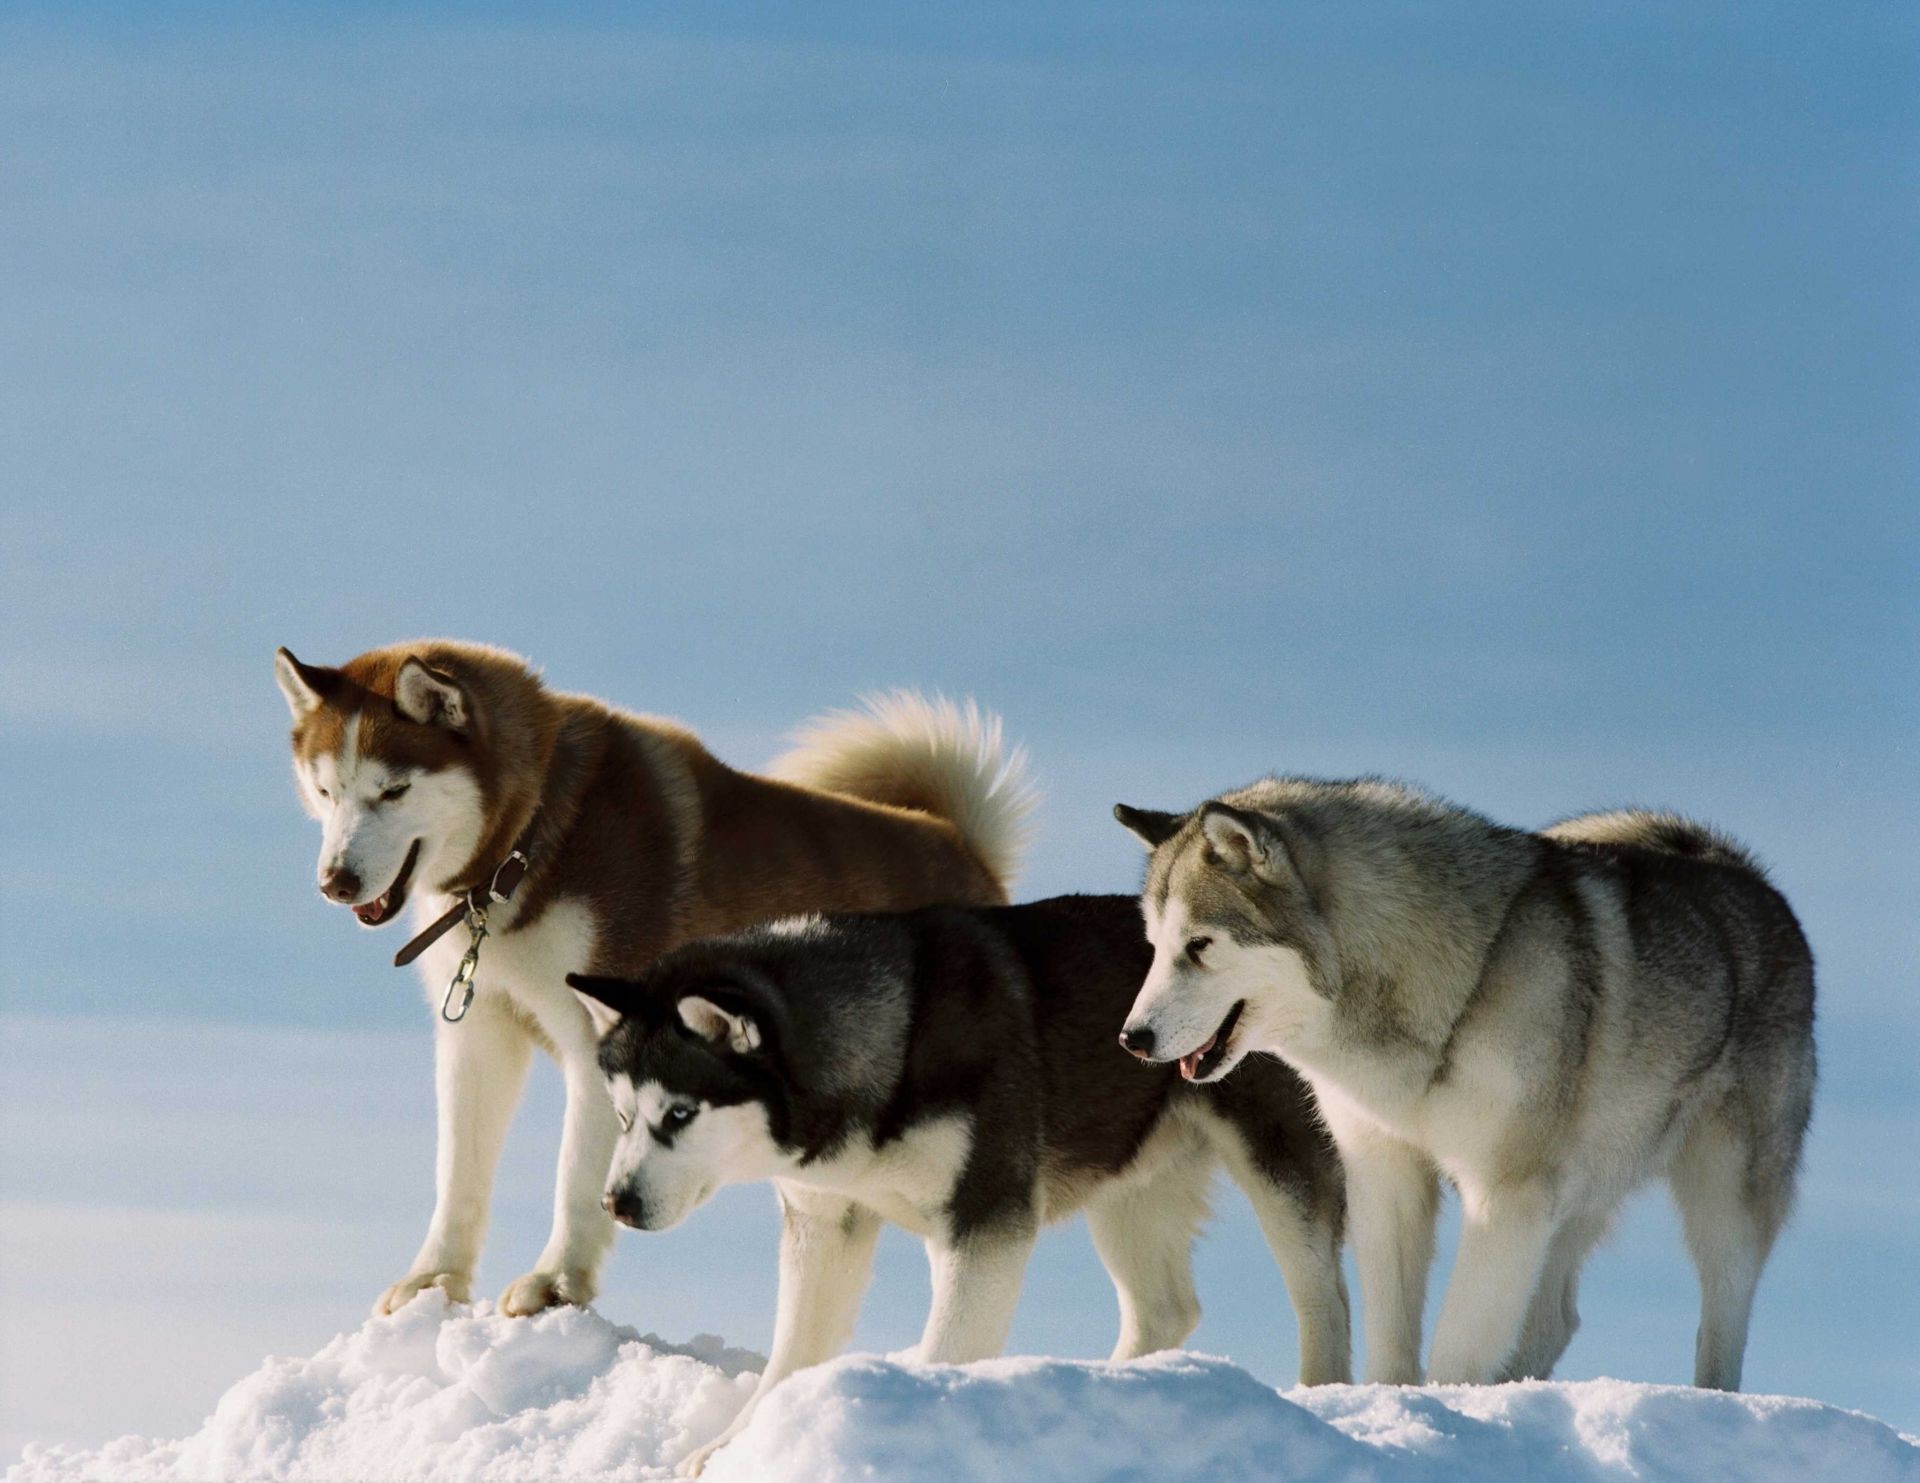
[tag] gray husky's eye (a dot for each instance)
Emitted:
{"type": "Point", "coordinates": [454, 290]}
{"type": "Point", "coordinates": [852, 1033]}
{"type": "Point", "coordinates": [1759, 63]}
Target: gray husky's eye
{"type": "Point", "coordinates": [1196, 949]}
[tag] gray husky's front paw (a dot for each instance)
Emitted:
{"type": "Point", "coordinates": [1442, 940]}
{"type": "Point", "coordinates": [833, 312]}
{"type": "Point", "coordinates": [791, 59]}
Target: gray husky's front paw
{"type": "Point", "coordinates": [538, 1291]}
{"type": "Point", "coordinates": [458, 1286]}
{"type": "Point", "coordinates": [691, 1465]}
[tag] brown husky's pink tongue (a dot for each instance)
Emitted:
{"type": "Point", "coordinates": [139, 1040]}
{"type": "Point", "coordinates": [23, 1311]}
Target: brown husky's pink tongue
{"type": "Point", "coordinates": [1190, 1062]}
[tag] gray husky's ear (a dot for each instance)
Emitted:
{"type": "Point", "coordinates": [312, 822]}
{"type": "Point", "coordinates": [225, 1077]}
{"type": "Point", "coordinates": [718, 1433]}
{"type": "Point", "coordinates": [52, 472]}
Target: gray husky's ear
{"type": "Point", "coordinates": [431, 698]}
{"type": "Point", "coordinates": [1243, 840]}
{"type": "Point", "coordinates": [303, 684]}
{"type": "Point", "coordinates": [606, 1000]}
{"type": "Point", "coordinates": [725, 1027]}
{"type": "Point", "coordinates": [1151, 827]}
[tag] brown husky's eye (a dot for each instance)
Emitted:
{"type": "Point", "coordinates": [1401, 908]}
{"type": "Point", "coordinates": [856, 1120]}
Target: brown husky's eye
{"type": "Point", "coordinates": [1196, 949]}
{"type": "Point", "coordinates": [387, 795]}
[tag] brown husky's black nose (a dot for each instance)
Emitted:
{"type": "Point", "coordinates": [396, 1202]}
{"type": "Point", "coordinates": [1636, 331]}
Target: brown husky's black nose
{"type": "Point", "coordinates": [1139, 1042]}
{"type": "Point", "coordinates": [340, 885]}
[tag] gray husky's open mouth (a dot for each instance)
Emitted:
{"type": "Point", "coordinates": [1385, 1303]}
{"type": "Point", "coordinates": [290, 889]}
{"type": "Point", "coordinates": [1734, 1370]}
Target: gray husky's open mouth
{"type": "Point", "coordinates": [386, 906]}
{"type": "Point", "coordinates": [1202, 1061]}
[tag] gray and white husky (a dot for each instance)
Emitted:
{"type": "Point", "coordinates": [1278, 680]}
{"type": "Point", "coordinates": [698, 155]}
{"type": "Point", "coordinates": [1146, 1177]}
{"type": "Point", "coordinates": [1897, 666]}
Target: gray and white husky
{"type": "Point", "coordinates": [954, 1070]}
{"type": "Point", "coordinates": [1547, 1019]}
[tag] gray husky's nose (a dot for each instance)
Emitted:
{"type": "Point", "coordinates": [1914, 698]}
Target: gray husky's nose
{"type": "Point", "coordinates": [340, 885]}
{"type": "Point", "coordinates": [627, 1208]}
{"type": "Point", "coordinates": [1139, 1042]}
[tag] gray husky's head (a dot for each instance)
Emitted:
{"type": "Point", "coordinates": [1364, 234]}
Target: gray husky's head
{"type": "Point", "coordinates": [1241, 955]}
{"type": "Point", "coordinates": [691, 1054]}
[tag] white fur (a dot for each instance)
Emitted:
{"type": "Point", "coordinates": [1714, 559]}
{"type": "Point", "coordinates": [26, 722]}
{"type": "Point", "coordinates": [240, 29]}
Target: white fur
{"type": "Point", "coordinates": [809, 924]}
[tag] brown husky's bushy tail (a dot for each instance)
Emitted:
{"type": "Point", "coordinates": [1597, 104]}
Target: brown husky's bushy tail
{"type": "Point", "coordinates": [909, 751]}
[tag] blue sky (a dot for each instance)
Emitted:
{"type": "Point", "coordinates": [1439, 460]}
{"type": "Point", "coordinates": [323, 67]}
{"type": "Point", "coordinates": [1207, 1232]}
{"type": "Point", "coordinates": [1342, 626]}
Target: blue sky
{"type": "Point", "coordinates": [1513, 398]}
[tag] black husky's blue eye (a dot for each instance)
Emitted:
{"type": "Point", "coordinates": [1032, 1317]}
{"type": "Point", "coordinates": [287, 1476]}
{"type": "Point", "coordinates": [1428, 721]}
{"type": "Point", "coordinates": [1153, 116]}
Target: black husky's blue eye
{"type": "Point", "coordinates": [1196, 949]}
{"type": "Point", "coordinates": [679, 1117]}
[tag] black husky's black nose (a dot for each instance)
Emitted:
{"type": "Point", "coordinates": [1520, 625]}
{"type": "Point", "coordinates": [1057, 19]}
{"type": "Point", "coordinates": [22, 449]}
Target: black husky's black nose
{"type": "Point", "coordinates": [1139, 1042]}
{"type": "Point", "coordinates": [627, 1208]}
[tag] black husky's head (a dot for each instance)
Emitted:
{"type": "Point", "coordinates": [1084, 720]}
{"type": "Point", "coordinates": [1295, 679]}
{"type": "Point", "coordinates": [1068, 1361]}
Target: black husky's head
{"type": "Point", "coordinates": [692, 1055]}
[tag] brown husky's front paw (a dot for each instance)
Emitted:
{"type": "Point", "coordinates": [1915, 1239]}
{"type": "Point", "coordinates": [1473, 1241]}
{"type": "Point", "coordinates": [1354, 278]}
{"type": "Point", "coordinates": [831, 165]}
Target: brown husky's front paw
{"type": "Point", "coordinates": [458, 1286]}
{"type": "Point", "coordinates": [538, 1291]}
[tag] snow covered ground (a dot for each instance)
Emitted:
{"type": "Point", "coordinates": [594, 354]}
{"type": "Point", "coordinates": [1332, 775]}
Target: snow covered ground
{"type": "Point", "coordinates": [459, 1393]}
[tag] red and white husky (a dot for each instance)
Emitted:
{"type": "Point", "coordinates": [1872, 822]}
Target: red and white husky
{"type": "Point", "coordinates": [430, 765]}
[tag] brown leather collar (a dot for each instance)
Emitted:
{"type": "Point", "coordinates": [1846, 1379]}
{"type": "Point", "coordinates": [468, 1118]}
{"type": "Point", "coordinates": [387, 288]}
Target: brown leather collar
{"type": "Point", "coordinates": [499, 886]}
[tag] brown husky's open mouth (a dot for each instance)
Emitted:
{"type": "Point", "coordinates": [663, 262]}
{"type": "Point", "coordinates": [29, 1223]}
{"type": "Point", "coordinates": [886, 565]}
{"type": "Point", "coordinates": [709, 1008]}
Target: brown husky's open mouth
{"type": "Point", "coordinates": [386, 906]}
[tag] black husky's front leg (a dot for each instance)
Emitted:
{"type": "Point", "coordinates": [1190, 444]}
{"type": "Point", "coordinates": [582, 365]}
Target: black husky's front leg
{"type": "Point", "coordinates": [826, 1256]}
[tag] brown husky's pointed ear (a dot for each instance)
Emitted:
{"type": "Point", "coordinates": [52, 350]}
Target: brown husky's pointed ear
{"type": "Point", "coordinates": [430, 697]}
{"type": "Point", "coordinates": [1151, 827]}
{"type": "Point", "coordinates": [304, 685]}
{"type": "Point", "coordinates": [607, 1001]}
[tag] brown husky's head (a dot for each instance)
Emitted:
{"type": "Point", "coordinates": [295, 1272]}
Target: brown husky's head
{"type": "Point", "coordinates": [415, 759]}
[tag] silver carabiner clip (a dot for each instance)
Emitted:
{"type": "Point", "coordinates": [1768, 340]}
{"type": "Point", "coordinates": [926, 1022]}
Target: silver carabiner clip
{"type": "Point", "coordinates": [462, 980]}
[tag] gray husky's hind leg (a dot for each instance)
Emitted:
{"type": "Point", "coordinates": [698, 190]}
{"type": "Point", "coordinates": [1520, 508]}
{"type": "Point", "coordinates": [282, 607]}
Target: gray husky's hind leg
{"type": "Point", "coordinates": [1554, 1315]}
{"type": "Point", "coordinates": [1731, 1207]}
{"type": "Point", "coordinates": [1143, 1230]}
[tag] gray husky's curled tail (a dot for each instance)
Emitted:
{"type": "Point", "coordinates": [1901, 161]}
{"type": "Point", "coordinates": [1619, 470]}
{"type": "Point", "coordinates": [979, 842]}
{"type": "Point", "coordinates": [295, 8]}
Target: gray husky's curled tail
{"type": "Point", "coordinates": [1655, 829]}
{"type": "Point", "coordinates": [908, 751]}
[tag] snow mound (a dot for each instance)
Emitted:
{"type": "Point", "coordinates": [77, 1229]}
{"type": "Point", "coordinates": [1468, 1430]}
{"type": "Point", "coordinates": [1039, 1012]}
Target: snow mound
{"type": "Point", "coordinates": [447, 1392]}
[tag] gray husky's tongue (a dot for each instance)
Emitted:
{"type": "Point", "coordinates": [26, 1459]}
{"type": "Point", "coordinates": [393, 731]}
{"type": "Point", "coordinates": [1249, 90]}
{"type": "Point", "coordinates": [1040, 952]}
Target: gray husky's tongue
{"type": "Point", "coordinates": [1190, 1062]}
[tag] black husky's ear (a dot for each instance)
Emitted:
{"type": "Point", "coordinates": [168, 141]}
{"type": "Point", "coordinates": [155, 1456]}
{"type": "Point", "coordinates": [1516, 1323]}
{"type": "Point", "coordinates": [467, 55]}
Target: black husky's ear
{"type": "Point", "coordinates": [731, 1024]}
{"type": "Point", "coordinates": [304, 685]}
{"type": "Point", "coordinates": [606, 1000]}
{"type": "Point", "coordinates": [1151, 827]}
{"type": "Point", "coordinates": [430, 697]}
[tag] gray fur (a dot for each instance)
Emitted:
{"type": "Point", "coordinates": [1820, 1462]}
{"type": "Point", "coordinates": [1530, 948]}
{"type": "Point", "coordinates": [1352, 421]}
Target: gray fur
{"type": "Point", "coordinates": [1545, 1019]}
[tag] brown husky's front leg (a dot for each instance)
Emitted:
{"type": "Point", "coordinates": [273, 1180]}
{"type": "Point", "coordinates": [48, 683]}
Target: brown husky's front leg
{"type": "Point", "coordinates": [568, 1269]}
{"type": "Point", "coordinates": [480, 1065]}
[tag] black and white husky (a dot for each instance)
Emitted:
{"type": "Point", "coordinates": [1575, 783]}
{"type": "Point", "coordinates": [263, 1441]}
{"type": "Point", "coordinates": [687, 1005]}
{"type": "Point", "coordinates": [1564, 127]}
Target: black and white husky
{"type": "Point", "coordinates": [955, 1070]}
